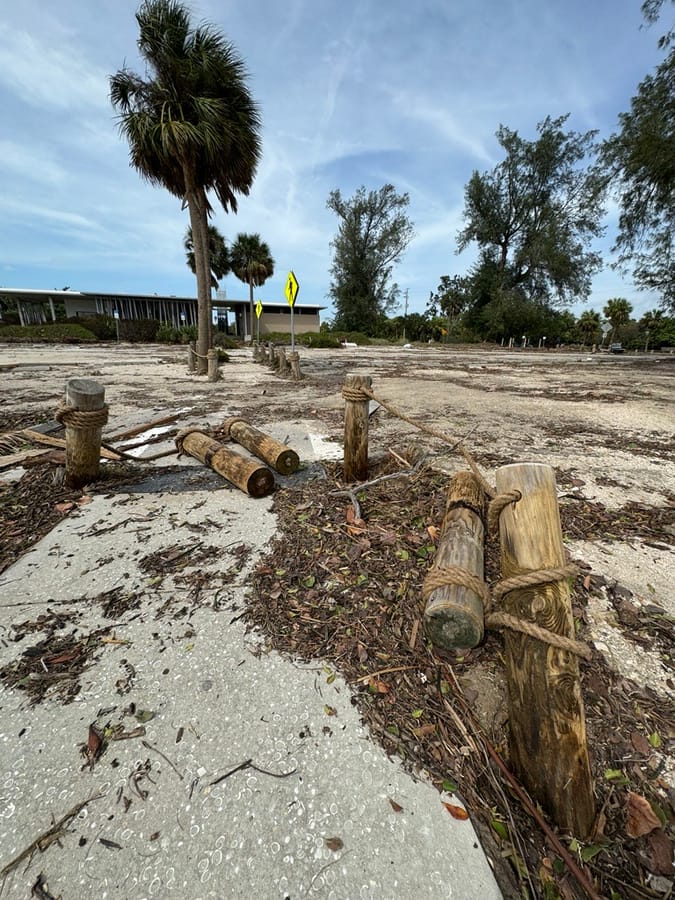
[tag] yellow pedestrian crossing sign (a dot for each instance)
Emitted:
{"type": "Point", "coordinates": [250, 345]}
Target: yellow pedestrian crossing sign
{"type": "Point", "coordinates": [292, 287]}
{"type": "Point", "coordinates": [258, 309]}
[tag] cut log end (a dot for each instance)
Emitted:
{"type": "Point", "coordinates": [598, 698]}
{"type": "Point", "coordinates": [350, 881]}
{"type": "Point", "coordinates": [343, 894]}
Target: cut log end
{"type": "Point", "coordinates": [454, 628]}
{"type": "Point", "coordinates": [260, 482]}
{"type": "Point", "coordinates": [287, 462]}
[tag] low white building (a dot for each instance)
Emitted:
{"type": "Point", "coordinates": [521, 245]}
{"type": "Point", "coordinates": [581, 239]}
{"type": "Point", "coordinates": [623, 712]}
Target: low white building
{"type": "Point", "coordinates": [36, 307]}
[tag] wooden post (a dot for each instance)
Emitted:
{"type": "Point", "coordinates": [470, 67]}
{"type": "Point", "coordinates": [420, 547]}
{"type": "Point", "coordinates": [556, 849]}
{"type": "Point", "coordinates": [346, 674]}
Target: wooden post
{"type": "Point", "coordinates": [294, 360]}
{"type": "Point", "coordinates": [272, 358]}
{"type": "Point", "coordinates": [248, 475]}
{"type": "Point", "coordinates": [356, 429]}
{"type": "Point", "coordinates": [454, 612]}
{"type": "Point", "coordinates": [83, 432]}
{"type": "Point", "coordinates": [192, 362]}
{"type": "Point", "coordinates": [282, 362]}
{"type": "Point", "coordinates": [281, 457]}
{"type": "Point", "coordinates": [547, 725]}
{"type": "Point", "coordinates": [212, 363]}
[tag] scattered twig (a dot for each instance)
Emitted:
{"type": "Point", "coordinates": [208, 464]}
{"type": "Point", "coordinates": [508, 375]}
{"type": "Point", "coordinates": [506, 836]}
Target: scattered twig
{"type": "Point", "coordinates": [164, 757]}
{"type": "Point", "coordinates": [249, 764]}
{"type": "Point", "coordinates": [47, 837]}
{"type": "Point", "coordinates": [383, 672]}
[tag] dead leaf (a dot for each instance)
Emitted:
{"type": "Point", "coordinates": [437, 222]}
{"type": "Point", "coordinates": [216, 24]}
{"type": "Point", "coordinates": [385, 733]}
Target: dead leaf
{"type": "Point", "coordinates": [334, 844]}
{"type": "Point", "coordinates": [330, 710]}
{"type": "Point", "coordinates": [94, 743]}
{"type": "Point", "coordinates": [64, 507]}
{"type": "Point", "coordinates": [641, 818]}
{"type": "Point", "coordinates": [361, 652]}
{"type": "Point", "coordinates": [378, 686]}
{"type": "Point", "coordinates": [84, 499]}
{"type": "Point", "coordinates": [457, 812]}
{"type": "Point", "coordinates": [587, 582]}
{"type": "Point", "coordinates": [395, 806]}
{"type": "Point", "coordinates": [423, 730]}
{"type": "Point", "coordinates": [434, 532]}
{"type": "Point", "coordinates": [660, 860]}
{"type": "Point", "coordinates": [640, 743]}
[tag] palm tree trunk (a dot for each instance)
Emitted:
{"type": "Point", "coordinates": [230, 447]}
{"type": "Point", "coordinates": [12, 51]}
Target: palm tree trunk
{"type": "Point", "coordinates": [250, 306]}
{"type": "Point", "coordinates": [198, 222]}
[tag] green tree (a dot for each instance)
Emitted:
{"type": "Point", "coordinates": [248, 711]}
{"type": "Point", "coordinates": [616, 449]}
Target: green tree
{"type": "Point", "coordinates": [452, 298]}
{"type": "Point", "coordinates": [191, 124]}
{"type": "Point", "coordinates": [640, 165]}
{"type": "Point", "coordinates": [219, 257]}
{"type": "Point", "coordinates": [252, 263]}
{"type": "Point", "coordinates": [373, 233]}
{"type": "Point", "coordinates": [535, 215]}
{"type": "Point", "coordinates": [589, 325]}
{"type": "Point", "coordinates": [617, 312]}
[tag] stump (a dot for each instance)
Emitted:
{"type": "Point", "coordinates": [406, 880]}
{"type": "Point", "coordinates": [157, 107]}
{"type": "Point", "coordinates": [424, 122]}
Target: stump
{"type": "Point", "coordinates": [547, 725]}
{"type": "Point", "coordinates": [84, 416]}
{"type": "Point", "coordinates": [356, 428]}
{"type": "Point", "coordinates": [272, 357]}
{"type": "Point", "coordinates": [248, 475]}
{"type": "Point", "coordinates": [282, 362]}
{"type": "Point", "coordinates": [454, 612]}
{"type": "Point", "coordinates": [212, 364]}
{"type": "Point", "coordinates": [281, 457]}
{"type": "Point", "coordinates": [294, 360]}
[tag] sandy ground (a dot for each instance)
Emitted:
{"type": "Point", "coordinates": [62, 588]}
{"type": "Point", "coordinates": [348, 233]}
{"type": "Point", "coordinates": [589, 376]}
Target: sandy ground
{"type": "Point", "coordinates": [606, 423]}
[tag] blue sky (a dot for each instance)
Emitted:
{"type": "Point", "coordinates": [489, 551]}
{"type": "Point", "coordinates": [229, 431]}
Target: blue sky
{"type": "Point", "coordinates": [351, 92]}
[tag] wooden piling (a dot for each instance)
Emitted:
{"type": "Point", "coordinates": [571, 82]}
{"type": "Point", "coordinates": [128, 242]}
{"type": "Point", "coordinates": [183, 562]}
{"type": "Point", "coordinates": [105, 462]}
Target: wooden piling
{"type": "Point", "coordinates": [192, 359]}
{"type": "Point", "coordinates": [247, 474]}
{"type": "Point", "coordinates": [84, 416]}
{"type": "Point", "coordinates": [282, 362]}
{"type": "Point", "coordinates": [212, 364]}
{"type": "Point", "coordinates": [282, 458]}
{"type": "Point", "coordinates": [454, 612]}
{"type": "Point", "coordinates": [272, 356]}
{"type": "Point", "coordinates": [548, 746]}
{"type": "Point", "coordinates": [355, 466]}
{"type": "Point", "coordinates": [294, 360]}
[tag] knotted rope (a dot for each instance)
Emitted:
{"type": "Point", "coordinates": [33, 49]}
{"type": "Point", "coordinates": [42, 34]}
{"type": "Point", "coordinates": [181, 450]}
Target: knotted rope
{"type": "Point", "coordinates": [81, 418]}
{"type": "Point", "coordinates": [454, 575]}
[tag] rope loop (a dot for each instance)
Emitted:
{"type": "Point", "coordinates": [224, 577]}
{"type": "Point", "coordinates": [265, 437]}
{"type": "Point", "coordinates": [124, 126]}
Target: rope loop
{"type": "Point", "coordinates": [81, 418]}
{"type": "Point", "coordinates": [531, 579]}
{"type": "Point", "coordinates": [438, 578]}
{"type": "Point", "coordinates": [497, 505]}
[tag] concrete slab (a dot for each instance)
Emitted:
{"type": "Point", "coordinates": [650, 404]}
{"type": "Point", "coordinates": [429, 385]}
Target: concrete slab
{"type": "Point", "coordinates": [253, 776]}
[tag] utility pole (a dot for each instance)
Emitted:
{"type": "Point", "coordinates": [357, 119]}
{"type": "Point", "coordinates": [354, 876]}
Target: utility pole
{"type": "Point", "coordinates": [405, 312]}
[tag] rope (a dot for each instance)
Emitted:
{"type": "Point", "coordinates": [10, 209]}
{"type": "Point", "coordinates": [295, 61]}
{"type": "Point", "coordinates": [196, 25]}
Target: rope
{"type": "Point", "coordinates": [80, 418]}
{"type": "Point", "coordinates": [499, 503]}
{"type": "Point", "coordinates": [184, 432]}
{"type": "Point", "coordinates": [438, 578]}
{"type": "Point", "coordinates": [224, 429]}
{"type": "Point", "coordinates": [505, 620]}
{"type": "Point", "coordinates": [455, 575]}
{"type": "Point", "coordinates": [363, 394]}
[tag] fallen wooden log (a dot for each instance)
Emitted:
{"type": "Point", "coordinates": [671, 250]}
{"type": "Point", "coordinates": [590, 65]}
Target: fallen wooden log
{"type": "Point", "coordinates": [247, 475]}
{"type": "Point", "coordinates": [454, 588]}
{"type": "Point", "coordinates": [278, 455]}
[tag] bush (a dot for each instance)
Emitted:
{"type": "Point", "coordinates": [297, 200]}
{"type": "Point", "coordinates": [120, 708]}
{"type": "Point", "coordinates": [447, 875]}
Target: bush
{"type": "Point", "coordinates": [222, 356]}
{"type": "Point", "coordinates": [103, 327]}
{"type": "Point", "coordinates": [226, 341]}
{"type": "Point", "coordinates": [138, 331]}
{"type": "Point", "coordinates": [55, 333]}
{"type": "Point", "coordinates": [354, 337]}
{"type": "Point", "coordinates": [321, 340]}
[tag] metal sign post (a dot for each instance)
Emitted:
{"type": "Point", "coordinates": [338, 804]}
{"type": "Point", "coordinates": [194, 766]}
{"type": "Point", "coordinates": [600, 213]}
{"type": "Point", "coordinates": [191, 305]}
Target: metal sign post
{"type": "Point", "coordinates": [116, 316]}
{"type": "Point", "coordinates": [292, 288]}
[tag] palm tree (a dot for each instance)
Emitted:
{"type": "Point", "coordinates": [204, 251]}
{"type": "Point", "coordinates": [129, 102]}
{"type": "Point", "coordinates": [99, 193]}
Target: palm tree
{"type": "Point", "coordinates": [589, 325]}
{"type": "Point", "coordinates": [219, 256]}
{"type": "Point", "coordinates": [617, 311]}
{"type": "Point", "coordinates": [192, 125]}
{"type": "Point", "coordinates": [252, 263]}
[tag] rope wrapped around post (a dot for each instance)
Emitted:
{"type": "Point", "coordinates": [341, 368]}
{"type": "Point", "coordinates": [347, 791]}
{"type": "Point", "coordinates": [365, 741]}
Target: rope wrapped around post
{"type": "Point", "coordinates": [81, 419]}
